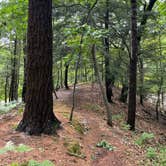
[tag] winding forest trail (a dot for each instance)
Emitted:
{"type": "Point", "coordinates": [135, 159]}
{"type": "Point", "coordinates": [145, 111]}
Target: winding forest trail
{"type": "Point", "coordinates": [90, 114]}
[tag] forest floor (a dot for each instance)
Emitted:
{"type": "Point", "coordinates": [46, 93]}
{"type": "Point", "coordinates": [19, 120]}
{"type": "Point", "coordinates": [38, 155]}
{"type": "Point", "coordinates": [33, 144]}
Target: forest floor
{"type": "Point", "coordinates": [75, 144]}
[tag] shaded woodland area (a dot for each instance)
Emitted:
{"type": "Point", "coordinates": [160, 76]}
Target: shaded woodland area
{"type": "Point", "coordinates": [82, 82]}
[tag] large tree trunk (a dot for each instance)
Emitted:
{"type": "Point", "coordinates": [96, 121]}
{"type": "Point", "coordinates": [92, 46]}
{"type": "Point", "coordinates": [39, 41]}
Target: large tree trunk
{"type": "Point", "coordinates": [133, 67]}
{"type": "Point", "coordinates": [13, 93]}
{"type": "Point", "coordinates": [108, 78]}
{"type": "Point", "coordinates": [38, 116]}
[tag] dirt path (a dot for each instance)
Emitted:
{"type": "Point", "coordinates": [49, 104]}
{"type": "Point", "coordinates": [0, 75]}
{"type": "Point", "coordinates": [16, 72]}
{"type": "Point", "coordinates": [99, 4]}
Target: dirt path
{"type": "Point", "coordinates": [53, 147]}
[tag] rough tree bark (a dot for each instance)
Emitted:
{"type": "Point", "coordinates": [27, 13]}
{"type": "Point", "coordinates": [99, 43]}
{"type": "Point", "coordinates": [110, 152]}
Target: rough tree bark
{"type": "Point", "coordinates": [133, 67]}
{"type": "Point", "coordinates": [38, 116]}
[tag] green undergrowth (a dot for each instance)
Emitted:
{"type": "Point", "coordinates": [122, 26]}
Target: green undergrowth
{"type": "Point", "coordinates": [118, 117]}
{"type": "Point", "coordinates": [79, 127]}
{"type": "Point", "coordinates": [92, 107]}
{"type": "Point", "coordinates": [144, 138]}
{"type": "Point", "coordinates": [104, 144]}
{"type": "Point", "coordinates": [34, 163]}
{"type": "Point", "coordinates": [155, 156]}
{"type": "Point", "coordinates": [7, 107]}
{"type": "Point", "coordinates": [74, 148]}
{"type": "Point", "coordinates": [10, 147]}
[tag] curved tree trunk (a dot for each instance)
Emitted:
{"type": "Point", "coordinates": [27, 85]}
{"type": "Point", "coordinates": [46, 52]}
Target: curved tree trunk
{"type": "Point", "coordinates": [38, 116]}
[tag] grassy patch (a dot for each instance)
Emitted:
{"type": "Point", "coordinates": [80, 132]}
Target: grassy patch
{"type": "Point", "coordinates": [7, 107]}
{"type": "Point", "coordinates": [11, 147]}
{"type": "Point", "coordinates": [34, 163]}
{"type": "Point", "coordinates": [92, 107]}
{"type": "Point", "coordinates": [118, 117]}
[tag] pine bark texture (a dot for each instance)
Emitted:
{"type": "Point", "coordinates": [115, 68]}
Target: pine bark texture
{"type": "Point", "coordinates": [38, 116]}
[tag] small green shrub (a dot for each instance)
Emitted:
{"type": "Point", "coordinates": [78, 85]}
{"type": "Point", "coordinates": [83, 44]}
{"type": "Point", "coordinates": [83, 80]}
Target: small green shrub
{"type": "Point", "coordinates": [74, 148]}
{"type": "Point", "coordinates": [105, 144]}
{"type": "Point", "coordinates": [151, 153]}
{"type": "Point", "coordinates": [156, 156]}
{"type": "Point", "coordinates": [125, 126]}
{"type": "Point", "coordinates": [80, 128]}
{"type": "Point", "coordinates": [144, 138]}
{"type": "Point", "coordinates": [162, 156]}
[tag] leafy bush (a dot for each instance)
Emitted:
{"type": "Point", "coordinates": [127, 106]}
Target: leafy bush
{"type": "Point", "coordinates": [144, 138]}
{"type": "Point", "coordinates": [105, 144]}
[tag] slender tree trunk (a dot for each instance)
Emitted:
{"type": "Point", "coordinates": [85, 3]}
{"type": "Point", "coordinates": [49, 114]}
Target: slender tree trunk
{"type": "Point", "coordinates": [108, 78]}
{"type": "Point", "coordinates": [139, 36]}
{"type": "Point", "coordinates": [13, 94]}
{"type": "Point", "coordinates": [158, 105]}
{"type": "Point", "coordinates": [86, 73]}
{"type": "Point", "coordinates": [24, 83]}
{"type": "Point", "coordinates": [61, 69]}
{"type": "Point", "coordinates": [141, 86]}
{"type": "Point", "coordinates": [38, 116]}
{"type": "Point", "coordinates": [124, 93]}
{"type": "Point", "coordinates": [25, 70]}
{"type": "Point", "coordinates": [6, 87]}
{"type": "Point", "coordinates": [133, 67]}
{"type": "Point", "coordinates": [57, 84]}
{"type": "Point", "coordinates": [66, 76]}
{"type": "Point", "coordinates": [109, 115]}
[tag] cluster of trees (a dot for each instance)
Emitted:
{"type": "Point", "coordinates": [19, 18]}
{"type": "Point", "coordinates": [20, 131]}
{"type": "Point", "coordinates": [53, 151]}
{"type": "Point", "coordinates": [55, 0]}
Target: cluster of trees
{"type": "Point", "coordinates": [118, 42]}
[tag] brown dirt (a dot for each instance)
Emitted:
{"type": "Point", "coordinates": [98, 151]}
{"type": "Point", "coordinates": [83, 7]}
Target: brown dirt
{"type": "Point", "coordinates": [52, 148]}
